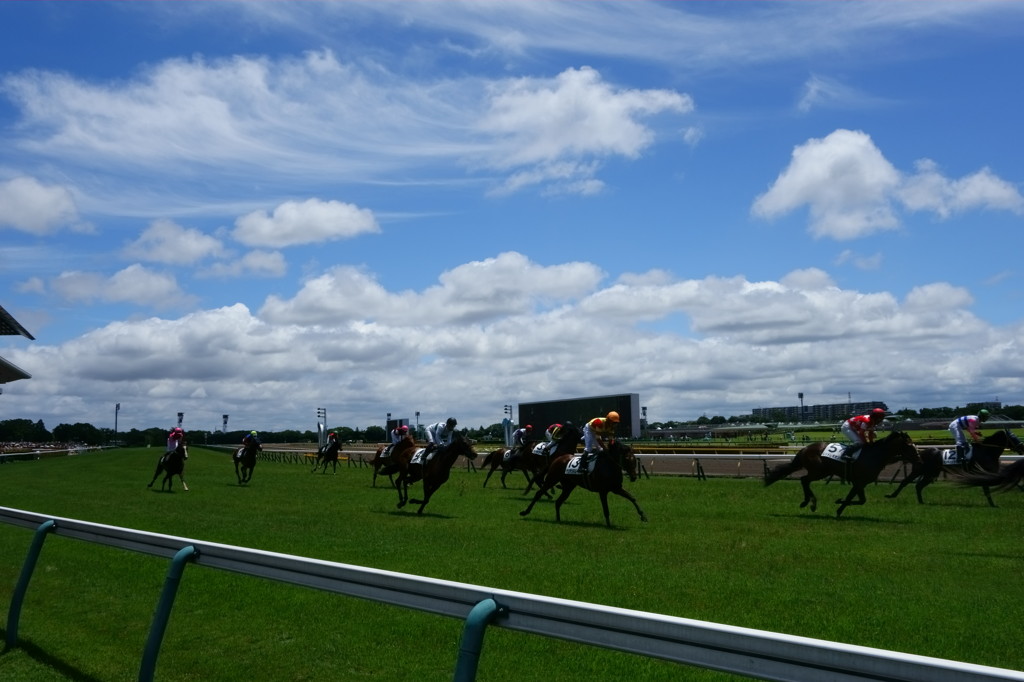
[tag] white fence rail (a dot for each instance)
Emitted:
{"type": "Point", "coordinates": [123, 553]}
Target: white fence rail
{"type": "Point", "coordinates": [753, 653]}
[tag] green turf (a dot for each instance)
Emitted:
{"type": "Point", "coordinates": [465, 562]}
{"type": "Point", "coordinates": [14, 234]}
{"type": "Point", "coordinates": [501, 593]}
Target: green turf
{"type": "Point", "coordinates": [941, 579]}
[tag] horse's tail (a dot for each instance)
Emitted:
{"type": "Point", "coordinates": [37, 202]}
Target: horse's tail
{"type": "Point", "coordinates": [783, 470]}
{"type": "Point", "coordinates": [493, 457]}
{"type": "Point", "coordinates": [1005, 479]}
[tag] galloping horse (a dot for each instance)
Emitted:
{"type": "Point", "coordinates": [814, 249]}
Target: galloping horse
{"type": "Point", "coordinates": [503, 458]}
{"type": "Point", "coordinates": [245, 461]}
{"type": "Point", "coordinates": [869, 461]}
{"type": "Point", "coordinates": [565, 445]}
{"type": "Point", "coordinates": [172, 464]}
{"type": "Point", "coordinates": [605, 478]}
{"type": "Point", "coordinates": [328, 454]}
{"type": "Point", "coordinates": [985, 456]}
{"type": "Point", "coordinates": [434, 472]}
{"type": "Point", "coordinates": [388, 466]}
{"type": "Point", "coordinates": [1004, 479]}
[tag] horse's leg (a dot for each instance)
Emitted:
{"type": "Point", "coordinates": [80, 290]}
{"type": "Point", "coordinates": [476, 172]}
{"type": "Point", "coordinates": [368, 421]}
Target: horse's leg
{"type": "Point", "coordinates": [238, 473]}
{"type": "Point", "coordinates": [156, 473]}
{"type": "Point", "coordinates": [622, 492]}
{"type": "Point", "coordinates": [429, 488]}
{"type": "Point", "coordinates": [988, 495]}
{"type": "Point", "coordinates": [809, 497]}
{"type": "Point", "coordinates": [542, 488]}
{"type": "Point", "coordinates": [566, 489]}
{"type": "Point", "coordinates": [488, 477]}
{"type": "Point", "coordinates": [856, 491]}
{"type": "Point", "coordinates": [604, 507]}
{"type": "Point", "coordinates": [403, 489]}
{"type": "Point", "coordinates": [914, 474]}
{"type": "Point", "coordinates": [183, 484]}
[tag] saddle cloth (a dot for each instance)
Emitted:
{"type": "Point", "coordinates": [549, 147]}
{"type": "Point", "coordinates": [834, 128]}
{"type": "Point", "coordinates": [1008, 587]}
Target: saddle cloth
{"type": "Point", "coordinates": [835, 451]}
{"type": "Point", "coordinates": [949, 457]}
{"type": "Point", "coordinates": [572, 468]}
{"type": "Point", "coordinates": [417, 457]}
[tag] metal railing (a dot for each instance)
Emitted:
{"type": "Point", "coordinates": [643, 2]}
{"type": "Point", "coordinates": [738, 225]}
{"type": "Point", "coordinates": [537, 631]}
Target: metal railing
{"type": "Point", "coordinates": [753, 653]}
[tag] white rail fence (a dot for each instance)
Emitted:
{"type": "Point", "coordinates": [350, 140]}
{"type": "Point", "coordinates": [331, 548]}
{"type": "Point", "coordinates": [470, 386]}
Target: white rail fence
{"type": "Point", "coordinates": [752, 653]}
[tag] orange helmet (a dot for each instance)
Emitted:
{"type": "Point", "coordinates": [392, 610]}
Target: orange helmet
{"type": "Point", "coordinates": [613, 417]}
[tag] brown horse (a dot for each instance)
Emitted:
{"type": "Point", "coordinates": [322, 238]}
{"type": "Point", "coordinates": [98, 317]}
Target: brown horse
{"type": "Point", "coordinates": [507, 461]}
{"type": "Point", "coordinates": [539, 462]}
{"type": "Point", "coordinates": [171, 464]}
{"type": "Point", "coordinates": [984, 457]}
{"type": "Point", "coordinates": [868, 462]}
{"type": "Point", "coordinates": [434, 472]}
{"type": "Point", "coordinates": [328, 454]}
{"type": "Point", "coordinates": [245, 461]}
{"type": "Point", "coordinates": [605, 478]}
{"type": "Point", "coordinates": [387, 466]}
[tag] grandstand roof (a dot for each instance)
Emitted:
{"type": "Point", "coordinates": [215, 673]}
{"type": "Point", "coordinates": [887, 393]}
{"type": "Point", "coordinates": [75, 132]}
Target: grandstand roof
{"type": "Point", "coordinates": [10, 327]}
{"type": "Point", "coordinates": [9, 372]}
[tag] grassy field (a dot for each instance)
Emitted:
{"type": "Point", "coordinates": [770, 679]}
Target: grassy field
{"type": "Point", "coordinates": [941, 579]}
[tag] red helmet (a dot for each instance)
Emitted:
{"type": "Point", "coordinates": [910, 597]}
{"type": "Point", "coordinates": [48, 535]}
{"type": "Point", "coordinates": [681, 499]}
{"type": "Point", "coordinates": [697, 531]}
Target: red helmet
{"type": "Point", "coordinates": [878, 412]}
{"type": "Point", "coordinates": [403, 428]}
{"type": "Point", "coordinates": [529, 427]}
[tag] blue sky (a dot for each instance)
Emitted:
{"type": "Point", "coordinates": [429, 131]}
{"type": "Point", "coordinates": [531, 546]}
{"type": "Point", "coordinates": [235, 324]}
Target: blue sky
{"type": "Point", "coordinates": [260, 209]}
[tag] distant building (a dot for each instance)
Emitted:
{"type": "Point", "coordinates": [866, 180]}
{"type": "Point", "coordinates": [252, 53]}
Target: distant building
{"type": "Point", "coordinates": [815, 413]}
{"type": "Point", "coordinates": [579, 411]}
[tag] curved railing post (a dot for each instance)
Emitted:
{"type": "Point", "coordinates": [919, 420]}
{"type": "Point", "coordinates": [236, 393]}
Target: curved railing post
{"type": "Point", "coordinates": [473, 638]}
{"type": "Point", "coordinates": [14, 614]}
{"type": "Point", "coordinates": [163, 611]}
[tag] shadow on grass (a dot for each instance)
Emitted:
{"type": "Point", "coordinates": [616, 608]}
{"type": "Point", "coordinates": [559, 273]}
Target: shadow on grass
{"type": "Point", "coordinates": [40, 656]}
{"type": "Point", "coordinates": [831, 518]}
{"type": "Point", "coordinates": [578, 524]}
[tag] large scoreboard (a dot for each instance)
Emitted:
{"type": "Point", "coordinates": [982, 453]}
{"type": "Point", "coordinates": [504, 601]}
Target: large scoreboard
{"type": "Point", "coordinates": [581, 410]}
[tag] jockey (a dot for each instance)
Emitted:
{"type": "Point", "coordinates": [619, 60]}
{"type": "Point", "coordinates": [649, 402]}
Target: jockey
{"type": "Point", "coordinates": [251, 438]}
{"type": "Point", "coordinates": [521, 439]}
{"type": "Point", "coordinates": [861, 429]}
{"type": "Point", "coordinates": [551, 435]}
{"type": "Point", "coordinates": [397, 434]}
{"type": "Point", "coordinates": [175, 438]}
{"type": "Point", "coordinates": [440, 434]}
{"type": "Point", "coordinates": [595, 432]}
{"type": "Point", "coordinates": [971, 423]}
{"type": "Point", "coordinates": [331, 447]}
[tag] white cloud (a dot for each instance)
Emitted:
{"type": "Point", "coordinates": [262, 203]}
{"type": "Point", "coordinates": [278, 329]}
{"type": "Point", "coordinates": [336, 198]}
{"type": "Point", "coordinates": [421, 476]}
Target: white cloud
{"type": "Point", "coordinates": [167, 242]}
{"type": "Point", "coordinates": [852, 191]}
{"type": "Point", "coordinates": [506, 326]}
{"type": "Point", "coordinates": [844, 181]}
{"type": "Point", "coordinates": [134, 284]}
{"type": "Point", "coordinates": [550, 125]}
{"type": "Point", "coordinates": [253, 263]}
{"type": "Point", "coordinates": [308, 222]}
{"type": "Point", "coordinates": [929, 190]}
{"type": "Point", "coordinates": [30, 206]}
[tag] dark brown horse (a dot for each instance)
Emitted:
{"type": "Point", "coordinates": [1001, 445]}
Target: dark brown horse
{"type": "Point", "coordinates": [984, 459]}
{"type": "Point", "coordinates": [387, 465]}
{"type": "Point", "coordinates": [605, 478]}
{"type": "Point", "coordinates": [1005, 479]}
{"type": "Point", "coordinates": [328, 454]}
{"type": "Point", "coordinates": [434, 472]}
{"type": "Point", "coordinates": [245, 461]}
{"type": "Point", "coordinates": [171, 464]}
{"type": "Point", "coordinates": [868, 462]}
